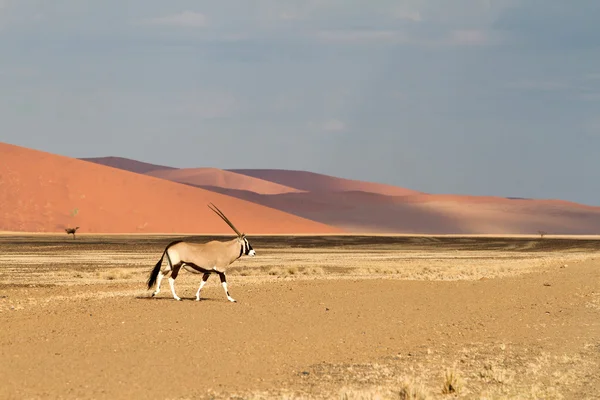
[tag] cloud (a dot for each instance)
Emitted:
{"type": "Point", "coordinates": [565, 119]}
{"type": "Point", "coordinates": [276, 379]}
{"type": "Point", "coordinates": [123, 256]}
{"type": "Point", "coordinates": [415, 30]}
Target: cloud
{"type": "Point", "coordinates": [409, 15]}
{"type": "Point", "coordinates": [290, 16]}
{"type": "Point", "coordinates": [459, 37]}
{"type": "Point", "coordinates": [333, 125]}
{"type": "Point", "coordinates": [361, 36]}
{"type": "Point", "coordinates": [551, 24]}
{"type": "Point", "coordinates": [574, 87]}
{"type": "Point", "coordinates": [592, 127]}
{"type": "Point", "coordinates": [184, 19]}
{"type": "Point", "coordinates": [20, 72]}
{"type": "Point", "coordinates": [590, 97]}
{"type": "Point", "coordinates": [207, 105]}
{"type": "Point", "coordinates": [468, 37]}
{"type": "Point", "coordinates": [592, 76]}
{"type": "Point", "coordinates": [543, 85]}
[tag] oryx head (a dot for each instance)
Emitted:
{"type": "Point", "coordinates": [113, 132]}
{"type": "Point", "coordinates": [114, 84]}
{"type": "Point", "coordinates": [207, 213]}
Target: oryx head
{"type": "Point", "coordinates": [247, 248]}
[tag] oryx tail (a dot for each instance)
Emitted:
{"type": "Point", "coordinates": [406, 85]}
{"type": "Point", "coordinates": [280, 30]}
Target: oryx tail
{"type": "Point", "coordinates": [156, 270]}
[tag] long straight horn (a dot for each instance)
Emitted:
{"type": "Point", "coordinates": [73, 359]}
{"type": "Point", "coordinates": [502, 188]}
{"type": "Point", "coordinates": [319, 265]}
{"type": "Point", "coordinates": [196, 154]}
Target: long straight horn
{"type": "Point", "coordinates": [220, 214]}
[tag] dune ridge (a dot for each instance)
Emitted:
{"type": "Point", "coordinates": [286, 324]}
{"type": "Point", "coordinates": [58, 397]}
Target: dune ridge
{"type": "Point", "coordinates": [276, 181]}
{"type": "Point", "coordinates": [315, 182]}
{"type": "Point", "coordinates": [221, 178]}
{"type": "Point", "coordinates": [127, 164]}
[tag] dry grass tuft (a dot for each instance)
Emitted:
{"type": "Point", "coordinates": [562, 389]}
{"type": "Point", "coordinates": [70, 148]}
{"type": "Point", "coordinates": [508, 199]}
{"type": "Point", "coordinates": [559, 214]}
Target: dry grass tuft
{"type": "Point", "coordinates": [364, 394]}
{"type": "Point", "coordinates": [412, 391]}
{"type": "Point", "coordinates": [452, 382]}
{"type": "Point", "coordinates": [291, 271]}
{"type": "Point", "coordinates": [493, 374]}
{"type": "Point", "coordinates": [116, 274]}
{"type": "Point", "coordinates": [407, 391]}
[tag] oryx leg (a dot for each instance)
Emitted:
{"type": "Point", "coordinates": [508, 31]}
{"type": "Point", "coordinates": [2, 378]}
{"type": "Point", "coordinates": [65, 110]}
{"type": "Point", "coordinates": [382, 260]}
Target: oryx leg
{"type": "Point", "coordinates": [204, 279]}
{"type": "Point", "coordinates": [224, 283]}
{"type": "Point", "coordinates": [159, 278]}
{"type": "Point", "coordinates": [162, 273]}
{"type": "Point", "coordinates": [174, 273]}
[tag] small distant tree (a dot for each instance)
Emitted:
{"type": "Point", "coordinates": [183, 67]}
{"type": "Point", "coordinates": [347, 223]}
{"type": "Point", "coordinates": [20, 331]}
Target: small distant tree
{"type": "Point", "coordinates": [71, 231]}
{"type": "Point", "coordinates": [542, 234]}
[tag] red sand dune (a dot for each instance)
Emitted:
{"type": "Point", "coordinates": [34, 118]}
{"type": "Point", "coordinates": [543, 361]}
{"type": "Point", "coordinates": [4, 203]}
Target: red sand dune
{"type": "Point", "coordinates": [301, 181]}
{"type": "Point", "coordinates": [40, 192]}
{"type": "Point", "coordinates": [40, 189]}
{"type": "Point", "coordinates": [221, 178]}
{"type": "Point", "coordinates": [126, 164]}
{"type": "Point", "coordinates": [313, 182]}
{"type": "Point", "coordinates": [362, 212]}
{"type": "Point", "coordinates": [358, 206]}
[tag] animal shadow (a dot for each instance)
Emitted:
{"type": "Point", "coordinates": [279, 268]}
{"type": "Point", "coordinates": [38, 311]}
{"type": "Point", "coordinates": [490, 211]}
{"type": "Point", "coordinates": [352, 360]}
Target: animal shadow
{"type": "Point", "coordinates": [149, 297]}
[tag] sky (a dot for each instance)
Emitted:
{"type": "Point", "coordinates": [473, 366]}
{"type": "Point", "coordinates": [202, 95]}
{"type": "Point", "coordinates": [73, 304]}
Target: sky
{"type": "Point", "coordinates": [478, 97]}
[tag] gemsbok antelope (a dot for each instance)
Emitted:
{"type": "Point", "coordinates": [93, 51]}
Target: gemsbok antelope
{"type": "Point", "coordinates": [71, 231]}
{"type": "Point", "coordinates": [207, 258]}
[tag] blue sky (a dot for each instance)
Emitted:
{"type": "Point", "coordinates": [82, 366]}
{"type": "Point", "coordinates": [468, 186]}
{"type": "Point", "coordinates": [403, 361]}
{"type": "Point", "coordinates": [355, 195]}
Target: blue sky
{"type": "Point", "coordinates": [479, 97]}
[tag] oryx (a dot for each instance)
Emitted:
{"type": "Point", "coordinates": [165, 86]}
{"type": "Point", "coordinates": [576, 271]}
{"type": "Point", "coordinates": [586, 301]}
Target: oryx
{"type": "Point", "coordinates": [207, 258]}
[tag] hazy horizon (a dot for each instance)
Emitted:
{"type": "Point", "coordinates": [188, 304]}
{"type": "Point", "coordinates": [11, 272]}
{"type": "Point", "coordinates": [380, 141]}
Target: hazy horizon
{"type": "Point", "coordinates": [474, 97]}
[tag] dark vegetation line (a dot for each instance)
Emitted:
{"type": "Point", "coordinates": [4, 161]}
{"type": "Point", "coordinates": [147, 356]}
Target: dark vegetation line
{"type": "Point", "coordinates": [358, 242]}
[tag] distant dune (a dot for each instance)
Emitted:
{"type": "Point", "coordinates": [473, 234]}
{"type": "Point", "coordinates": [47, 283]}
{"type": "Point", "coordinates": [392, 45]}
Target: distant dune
{"type": "Point", "coordinates": [288, 181]}
{"type": "Point", "coordinates": [363, 212]}
{"type": "Point", "coordinates": [126, 164]}
{"type": "Point", "coordinates": [220, 178]}
{"type": "Point", "coordinates": [44, 189]}
{"type": "Point", "coordinates": [43, 192]}
{"type": "Point", "coordinates": [313, 182]}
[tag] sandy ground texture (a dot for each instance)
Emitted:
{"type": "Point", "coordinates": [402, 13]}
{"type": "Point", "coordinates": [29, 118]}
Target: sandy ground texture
{"type": "Point", "coordinates": [316, 317]}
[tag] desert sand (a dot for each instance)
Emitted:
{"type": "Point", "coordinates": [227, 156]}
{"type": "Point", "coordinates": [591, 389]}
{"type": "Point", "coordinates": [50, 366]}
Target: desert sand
{"type": "Point", "coordinates": [223, 179]}
{"type": "Point", "coordinates": [316, 317]}
{"type": "Point", "coordinates": [44, 192]}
